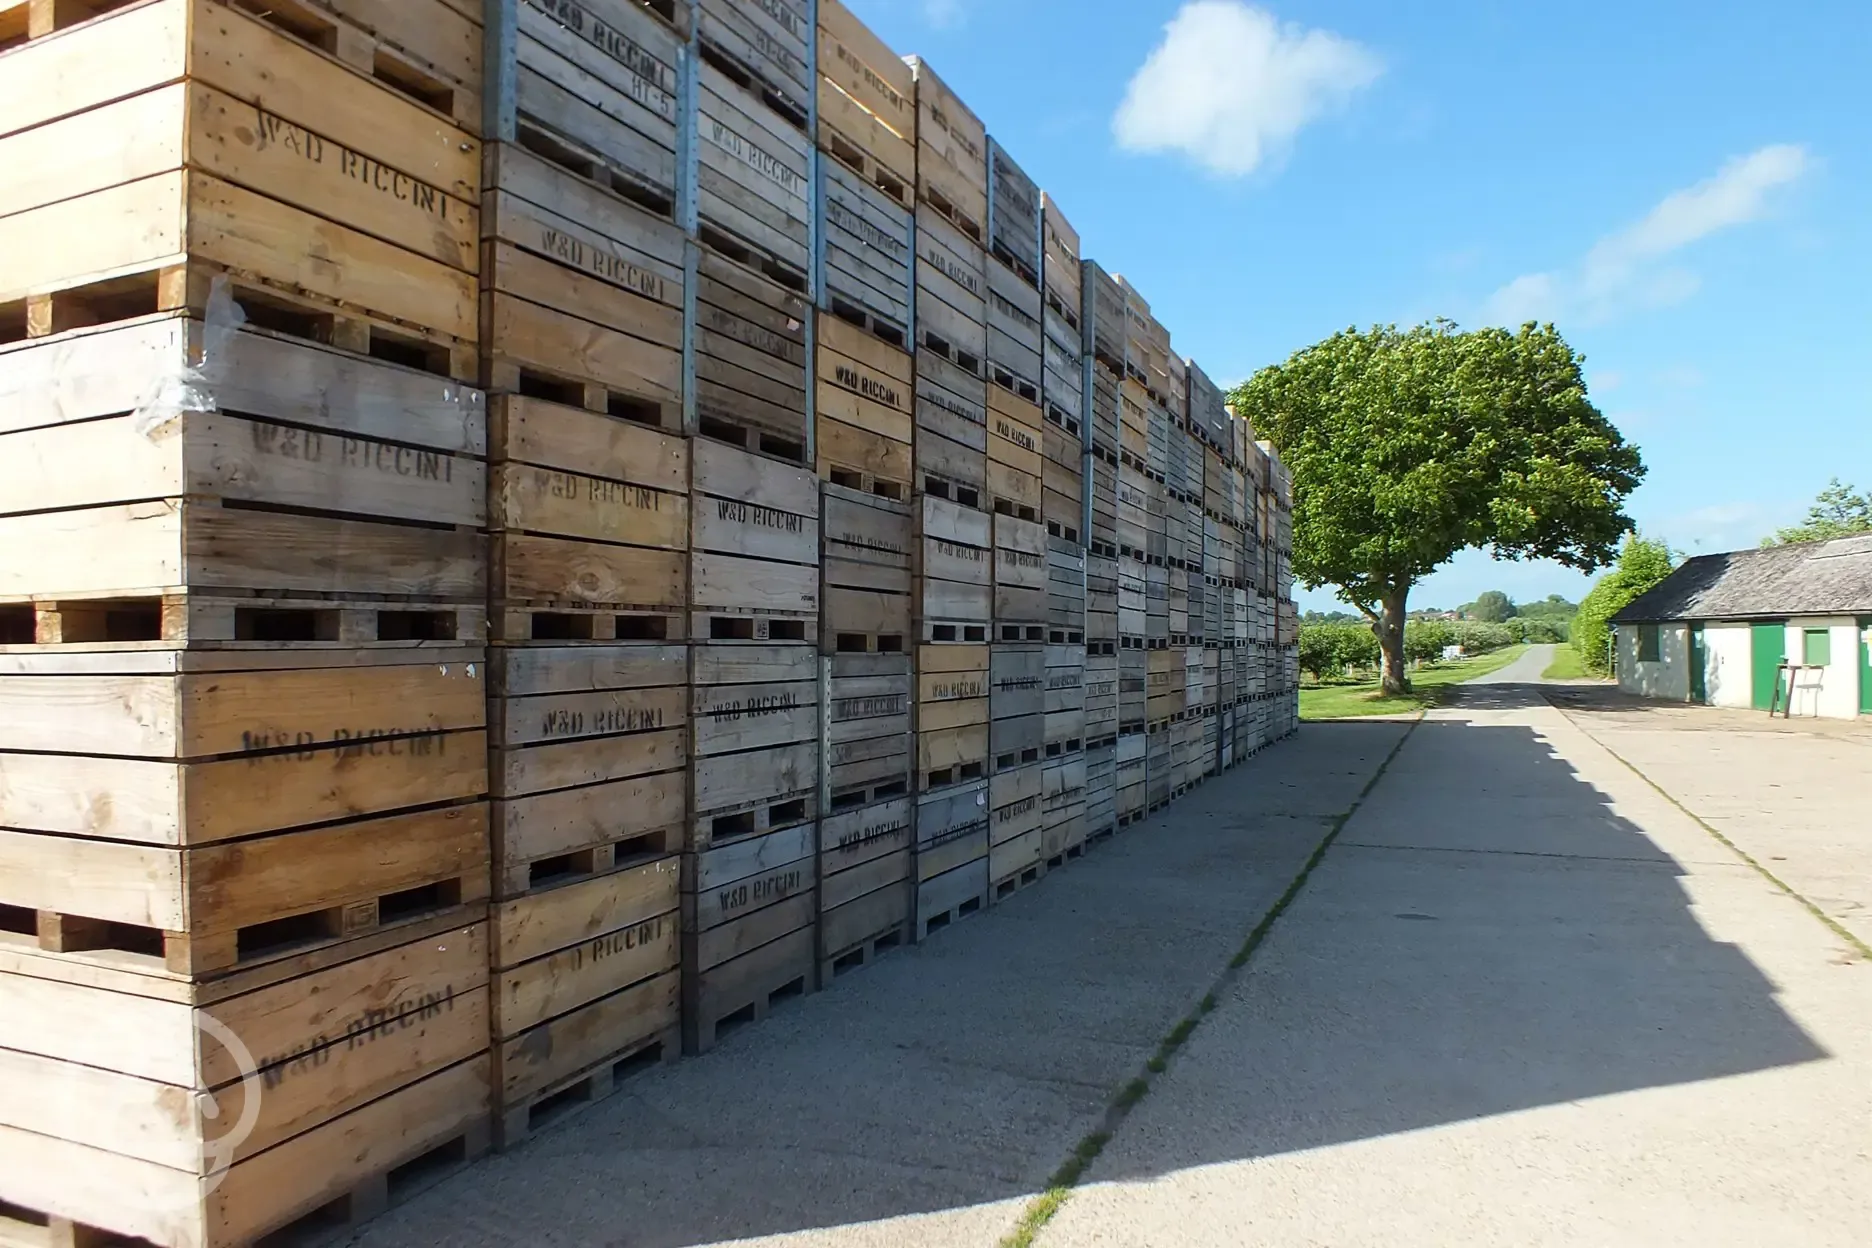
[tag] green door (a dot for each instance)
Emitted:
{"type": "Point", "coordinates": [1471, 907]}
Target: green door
{"type": "Point", "coordinates": [1865, 666]}
{"type": "Point", "coordinates": [1768, 651]}
{"type": "Point", "coordinates": [1699, 666]}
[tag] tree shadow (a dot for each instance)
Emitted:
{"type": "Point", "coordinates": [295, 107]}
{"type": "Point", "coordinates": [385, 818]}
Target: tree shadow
{"type": "Point", "coordinates": [1488, 935]}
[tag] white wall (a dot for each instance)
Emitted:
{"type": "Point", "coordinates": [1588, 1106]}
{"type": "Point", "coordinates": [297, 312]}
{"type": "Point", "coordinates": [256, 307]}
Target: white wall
{"type": "Point", "coordinates": [1834, 692]}
{"type": "Point", "coordinates": [1729, 671]}
{"type": "Point", "coordinates": [1667, 679]}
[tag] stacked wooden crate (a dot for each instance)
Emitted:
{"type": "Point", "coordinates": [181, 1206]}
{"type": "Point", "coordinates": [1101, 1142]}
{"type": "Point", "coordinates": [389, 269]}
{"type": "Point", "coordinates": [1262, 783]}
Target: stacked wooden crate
{"type": "Point", "coordinates": [1016, 474]}
{"type": "Point", "coordinates": [865, 416]}
{"type": "Point", "coordinates": [753, 215]}
{"type": "Point", "coordinates": [1064, 511]}
{"type": "Point", "coordinates": [749, 875]}
{"type": "Point", "coordinates": [954, 540]}
{"type": "Point", "coordinates": [1102, 324]}
{"type": "Point", "coordinates": [243, 734]}
{"type": "Point", "coordinates": [581, 305]}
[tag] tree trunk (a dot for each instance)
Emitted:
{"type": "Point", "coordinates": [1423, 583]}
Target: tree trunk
{"type": "Point", "coordinates": [1391, 641]}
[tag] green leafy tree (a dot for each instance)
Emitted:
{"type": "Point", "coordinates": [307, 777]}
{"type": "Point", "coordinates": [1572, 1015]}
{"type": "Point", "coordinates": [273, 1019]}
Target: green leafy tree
{"type": "Point", "coordinates": [1642, 564]}
{"type": "Point", "coordinates": [1407, 446]}
{"type": "Point", "coordinates": [1424, 639]}
{"type": "Point", "coordinates": [1838, 512]}
{"type": "Point", "coordinates": [1492, 607]}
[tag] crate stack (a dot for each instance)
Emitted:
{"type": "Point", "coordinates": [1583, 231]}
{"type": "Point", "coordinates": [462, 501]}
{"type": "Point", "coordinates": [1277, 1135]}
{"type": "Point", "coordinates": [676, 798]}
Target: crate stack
{"type": "Point", "coordinates": [865, 414]}
{"type": "Point", "coordinates": [1016, 476]}
{"type": "Point", "coordinates": [582, 331]}
{"type": "Point", "coordinates": [1063, 509]}
{"type": "Point", "coordinates": [1285, 664]}
{"type": "Point", "coordinates": [1102, 324]}
{"type": "Point", "coordinates": [243, 717]}
{"type": "Point", "coordinates": [954, 539]}
{"type": "Point", "coordinates": [1206, 422]}
{"type": "Point", "coordinates": [750, 864]}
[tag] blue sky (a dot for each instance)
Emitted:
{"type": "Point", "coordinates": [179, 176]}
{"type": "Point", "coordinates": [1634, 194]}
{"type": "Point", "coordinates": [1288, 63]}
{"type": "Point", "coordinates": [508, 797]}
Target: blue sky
{"type": "Point", "coordinates": [1684, 188]}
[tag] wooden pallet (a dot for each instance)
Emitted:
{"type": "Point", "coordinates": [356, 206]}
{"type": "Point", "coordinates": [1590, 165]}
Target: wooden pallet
{"type": "Point", "coordinates": [746, 989]}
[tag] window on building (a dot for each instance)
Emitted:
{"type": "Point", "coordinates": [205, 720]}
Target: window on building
{"type": "Point", "coordinates": [1816, 647]}
{"type": "Point", "coordinates": [1650, 643]}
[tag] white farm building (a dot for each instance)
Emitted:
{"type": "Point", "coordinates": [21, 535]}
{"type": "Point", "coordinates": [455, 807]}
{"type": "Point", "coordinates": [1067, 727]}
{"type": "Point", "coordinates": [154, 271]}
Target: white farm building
{"type": "Point", "coordinates": [1787, 627]}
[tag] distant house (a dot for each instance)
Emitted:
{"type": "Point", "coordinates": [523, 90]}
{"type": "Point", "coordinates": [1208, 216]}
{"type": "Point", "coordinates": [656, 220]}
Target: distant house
{"type": "Point", "coordinates": [1732, 629]}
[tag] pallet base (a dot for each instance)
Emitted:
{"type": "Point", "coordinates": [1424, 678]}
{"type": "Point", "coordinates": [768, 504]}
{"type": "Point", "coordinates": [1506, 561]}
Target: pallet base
{"type": "Point", "coordinates": [785, 968]}
{"type": "Point", "coordinates": [1023, 879]}
{"type": "Point", "coordinates": [863, 954]}
{"type": "Point", "coordinates": [570, 1096]}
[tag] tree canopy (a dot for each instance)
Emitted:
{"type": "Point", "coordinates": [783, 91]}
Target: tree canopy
{"type": "Point", "coordinates": [1642, 564]}
{"type": "Point", "coordinates": [1838, 512]}
{"type": "Point", "coordinates": [1491, 607]}
{"type": "Point", "coordinates": [1407, 446]}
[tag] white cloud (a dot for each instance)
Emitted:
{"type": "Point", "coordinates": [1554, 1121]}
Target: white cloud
{"type": "Point", "coordinates": [1628, 268]}
{"type": "Point", "coordinates": [943, 14]}
{"type": "Point", "coordinates": [1231, 86]}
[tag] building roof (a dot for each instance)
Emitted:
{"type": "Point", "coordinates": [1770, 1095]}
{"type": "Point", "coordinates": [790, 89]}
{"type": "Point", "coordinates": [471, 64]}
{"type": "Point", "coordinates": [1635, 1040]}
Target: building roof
{"type": "Point", "coordinates": [1811, 578]}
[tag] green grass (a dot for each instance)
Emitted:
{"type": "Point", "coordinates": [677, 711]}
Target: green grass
{"type": "Point", "coordinates": [1567, 665]}
{"type": "Point", "coordinates": [1347, 701]}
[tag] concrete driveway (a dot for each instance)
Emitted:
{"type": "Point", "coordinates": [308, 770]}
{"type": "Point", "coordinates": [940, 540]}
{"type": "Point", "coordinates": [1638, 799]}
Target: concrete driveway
{"type": "Point", "coordinates": [1525, 1000]}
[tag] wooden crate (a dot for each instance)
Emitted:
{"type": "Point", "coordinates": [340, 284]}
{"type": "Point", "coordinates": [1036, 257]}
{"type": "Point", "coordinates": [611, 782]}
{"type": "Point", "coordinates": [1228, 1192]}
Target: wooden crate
{"type": "Point", "coordinates": [762, 48]}
{"type": "Point", "coordinates": [1013, 216]}
{"type": "Point", "coordinates": [954, 583]}
{"type": "Point", "coordinates": [391, 459]}
{"type": "Point", "coordinates": [1020, 580]}
{"type": "Point", "coordinates": [1066, 592]}
{"type": "Point", "coordinates": [952, 154]}
{"type": "Point", "coordinates": [952, 715]}
{"type": "Point", "coordinates": [1104, 535]}
{"type": "Point", "coordinates": [595, 90]}
{"type": "Point", "coordinates": [1065, 699]}
{"type": "Point", "coordinates": [856, 138]}
{"type": "Point", "coordinates": [586, 988]}
{"type": "Point", "coordinates": [1133, 696]}
{"type": "Point", "coordinates": [1130, 775]}
{"type": "Point", "coordinates": [1105, 405]}
{"type": "Point", "coordinates": [869, 735]}
{"type": "Point", "coordinates": [1101, 696]}
{"type": "Point", "coordinates": [865, 409]}
{"type": "Point", "coordinates": [165, 766]}
{"type": "Point", "coordinates": [1062, 271]}
{"type": "Point", "coordinates": [1014, 333]}
{"type": "Point", "coordinates": [591, 745]}
{"type": "Point", "coordinates": [1062, 380]}
{"type": "Point", "coordinates": [755, 199]}
{"type": "Point", "coordinates": [951, 856]}
{"type": "Point", "coordinates": [756, 727]}
{"type": "Point", "coordinates": [1133, 598]}
{"type": "Point", "coordinates": [583, 292]}
{"type": "Point", "coordinates": [750, 919]}
{"type": "Point", "coordinates": [588, 512]}
{"type": "Point", "coordinates": [1101, 787]}
{"type": "Point", "coordinates": [951, 293]}
{"type": "Point", "coordinates": [1017, 704]}
{"type": "Point", "coordinates": [389, 258]}
{"type": "Point", "coordinates": [1017, 828]}
{"type": "Point", "coordinates": [349, 1071]}
{"type": "Point", "coordinates": [751, 371]}
{"type": "Point", "coordinates": [867, 557]}
{"type": "Point", "coordinates": [951, 431]}
{"type": "Point", "coordinates": [867, 882]}
{"type": "Point", "coordinates": [863, 68]}
{"type": "Point", "coordinates": [754, 570]}
{"type": "Point", "coordinates": [1103, 315]}
{"type": "Point", "coordinates": [1062, 479]}
{"type": "Point", "coordinates": [868, 252]}
{"type": "Point", "coordinates": [1015, 458]}
{"type": "Point", "coordinates": [1063, 806]}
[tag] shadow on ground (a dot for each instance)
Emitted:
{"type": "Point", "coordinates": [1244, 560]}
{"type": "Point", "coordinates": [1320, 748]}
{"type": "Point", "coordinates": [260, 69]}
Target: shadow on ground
{"type": "Point", "coordinates": [1494, 937]}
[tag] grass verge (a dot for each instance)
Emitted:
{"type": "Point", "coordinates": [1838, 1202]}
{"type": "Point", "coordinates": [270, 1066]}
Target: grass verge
{"type": "Point", "coordinates": [1349, 701]}
{"type": "Point", "coordinates": [1567, 665]}
{"type": "Point", "coordinates": [1059, 1189]}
